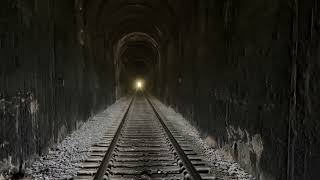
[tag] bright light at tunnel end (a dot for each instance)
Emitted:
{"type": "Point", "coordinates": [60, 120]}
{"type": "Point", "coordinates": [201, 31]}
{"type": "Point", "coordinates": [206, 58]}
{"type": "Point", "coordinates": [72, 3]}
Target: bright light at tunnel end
{"type": "Point", "coordinates": [139, 84]}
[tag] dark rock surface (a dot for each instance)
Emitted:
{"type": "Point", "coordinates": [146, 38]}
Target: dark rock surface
{"type": "Point", "coordinates": [48, 82]}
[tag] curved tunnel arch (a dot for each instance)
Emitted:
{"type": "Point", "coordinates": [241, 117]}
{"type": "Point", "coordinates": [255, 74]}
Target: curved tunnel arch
{"type": "Point", "coordinates": [122, 22]}
{"type": "Point", "coordinates": [136, 41]}
{"type": "Point", "coordinates": [100, 12]}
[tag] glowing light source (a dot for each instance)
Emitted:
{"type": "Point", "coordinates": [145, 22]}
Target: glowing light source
{"type": "Point", "coordinates": [139, 84]}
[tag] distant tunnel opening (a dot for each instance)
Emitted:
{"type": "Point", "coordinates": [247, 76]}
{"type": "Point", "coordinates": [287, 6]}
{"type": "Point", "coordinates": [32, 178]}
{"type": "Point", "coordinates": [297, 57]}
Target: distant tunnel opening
{"type": "Point", "coordinates": [137, 57]}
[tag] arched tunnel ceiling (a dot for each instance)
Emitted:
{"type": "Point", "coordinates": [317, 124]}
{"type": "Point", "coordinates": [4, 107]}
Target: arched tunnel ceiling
{"type": "Point", "coordinates": [136, 32]}
{"type": "Point", "coordinates": [137, 53]}
{"type": "Point", "coordinates": [138, 43]}
{"type": "Point", "coordinates": [117, 18]}
{"type": "Point", "coordinates": [140, 50]}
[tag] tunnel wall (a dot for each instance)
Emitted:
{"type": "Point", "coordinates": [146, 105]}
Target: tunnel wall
{"type": "Point", "coordinates": [246, 74]}
{"type": "Point", "coordinates": [50, 82]}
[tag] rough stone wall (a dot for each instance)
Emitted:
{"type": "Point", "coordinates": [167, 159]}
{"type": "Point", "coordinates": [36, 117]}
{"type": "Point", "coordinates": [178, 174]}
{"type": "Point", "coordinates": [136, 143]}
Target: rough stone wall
{"type": "Point", "coordinates": [246, 73]}
{"type": "Point", "coordinates": [49, 83]}
{"type": "Point", "coordinates": [304, 142]}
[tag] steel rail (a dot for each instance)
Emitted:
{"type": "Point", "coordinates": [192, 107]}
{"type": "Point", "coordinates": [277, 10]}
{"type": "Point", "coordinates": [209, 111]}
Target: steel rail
{"type": "Point", "coordinates": [104, 164]}
{"type": "Point", "coordinates": [186, 162]}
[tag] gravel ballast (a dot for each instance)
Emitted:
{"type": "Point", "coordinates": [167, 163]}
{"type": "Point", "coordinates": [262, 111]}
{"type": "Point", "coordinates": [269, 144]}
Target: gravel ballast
{"type": "Point", "coordinates": [221, 166]}
{"type": "Point", "coordinates": [63, 161]}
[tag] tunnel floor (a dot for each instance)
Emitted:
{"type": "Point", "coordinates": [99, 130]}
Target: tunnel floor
{"type": "Point", "coordinates": [64, 160]}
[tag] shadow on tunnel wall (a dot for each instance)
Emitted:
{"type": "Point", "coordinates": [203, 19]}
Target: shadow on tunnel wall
{"type": "Point", "coordinates": [50, 83]}
{"type": "Point", "coordinates": [247, 75]}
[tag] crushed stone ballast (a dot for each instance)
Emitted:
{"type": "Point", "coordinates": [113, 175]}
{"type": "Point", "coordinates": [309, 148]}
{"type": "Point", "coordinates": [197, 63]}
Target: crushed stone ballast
{"type": "Point", "coordinates": [141, 145]}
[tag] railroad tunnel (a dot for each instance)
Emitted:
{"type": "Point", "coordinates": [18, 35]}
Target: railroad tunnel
{"type": "Point", "coordinates": [244, 73]}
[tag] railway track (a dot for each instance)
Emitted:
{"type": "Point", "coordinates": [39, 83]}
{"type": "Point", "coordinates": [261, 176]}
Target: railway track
{"type": "Point", "coordinates": [143, 145]}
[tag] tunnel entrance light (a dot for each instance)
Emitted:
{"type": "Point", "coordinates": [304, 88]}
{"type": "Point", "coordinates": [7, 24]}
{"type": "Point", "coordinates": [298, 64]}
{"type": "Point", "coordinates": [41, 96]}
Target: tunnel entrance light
{"type": "Point", "coordinates": [139, 85]}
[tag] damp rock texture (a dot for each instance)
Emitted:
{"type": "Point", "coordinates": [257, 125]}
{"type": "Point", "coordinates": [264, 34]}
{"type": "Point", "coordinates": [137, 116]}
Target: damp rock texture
{"type": "Point", "coordinates": [49, 85]}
